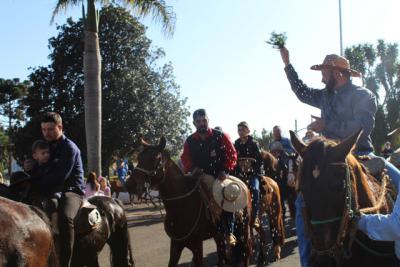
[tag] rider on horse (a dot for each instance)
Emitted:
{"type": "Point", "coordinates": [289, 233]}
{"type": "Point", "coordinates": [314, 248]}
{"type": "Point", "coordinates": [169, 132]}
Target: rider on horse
{"type": "Point", "coordinates": [246, 147]}
{"type": "Point", "coordinates": [62, 179]}
{"type": "Point", "coordinates": [212, 152]}
{"type": "Point", "coordinates": [345, 108]}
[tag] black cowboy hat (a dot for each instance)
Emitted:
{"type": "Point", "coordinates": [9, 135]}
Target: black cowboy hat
{"type": "Point", "coordinates": [19, 177]}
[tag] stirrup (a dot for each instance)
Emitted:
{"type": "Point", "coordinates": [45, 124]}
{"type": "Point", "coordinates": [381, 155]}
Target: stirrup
{"type": "Point", "coordinates": [231, 240]}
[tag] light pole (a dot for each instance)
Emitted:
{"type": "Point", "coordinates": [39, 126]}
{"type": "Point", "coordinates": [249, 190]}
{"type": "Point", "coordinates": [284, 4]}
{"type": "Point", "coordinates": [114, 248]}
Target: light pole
{"type": "Point", "coordinates": [340, 27]}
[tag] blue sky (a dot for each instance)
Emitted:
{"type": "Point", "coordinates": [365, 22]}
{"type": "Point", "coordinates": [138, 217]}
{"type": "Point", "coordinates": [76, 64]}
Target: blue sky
{"type": "Point", "coordinates": [218, 51]}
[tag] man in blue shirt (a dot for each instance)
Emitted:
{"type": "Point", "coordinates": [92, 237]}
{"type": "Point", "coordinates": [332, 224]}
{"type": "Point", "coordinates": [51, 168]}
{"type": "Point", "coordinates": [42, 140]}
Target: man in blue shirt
{"type": "Point", "coordinates": [64, 178]}
{"type": "Point", "coordinates": [287, 145]}
{"type": "Point", "coordinates": [345, 108]}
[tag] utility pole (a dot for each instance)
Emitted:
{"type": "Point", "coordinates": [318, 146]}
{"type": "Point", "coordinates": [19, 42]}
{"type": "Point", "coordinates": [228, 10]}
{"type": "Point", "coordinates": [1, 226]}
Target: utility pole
{"type": "Point", "coordinates": [340, 27]}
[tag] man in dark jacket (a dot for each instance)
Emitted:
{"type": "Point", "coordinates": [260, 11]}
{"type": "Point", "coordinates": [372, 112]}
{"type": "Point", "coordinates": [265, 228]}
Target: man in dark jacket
{"type": "Point", "coordinates": [246, 147]}
{"type": "Point", "coordinates": [63, 179]}
{"type": "Point", "coordinates": [212, 152]}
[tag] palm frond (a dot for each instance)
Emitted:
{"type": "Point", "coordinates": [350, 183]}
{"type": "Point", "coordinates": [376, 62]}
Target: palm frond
{"type": "Point", "coordinates": [161, 13]}
{"type": "Point", "coordinates": [62, 5]}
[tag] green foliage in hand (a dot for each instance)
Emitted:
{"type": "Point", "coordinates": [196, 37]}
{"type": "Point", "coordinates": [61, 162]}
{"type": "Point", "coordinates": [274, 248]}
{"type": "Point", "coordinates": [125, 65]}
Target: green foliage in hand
{"type": "Point", "coordinates": [277, 40]}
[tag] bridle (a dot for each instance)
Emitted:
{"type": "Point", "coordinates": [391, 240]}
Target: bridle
{"type": "Point", "coordinates": [350, 212]}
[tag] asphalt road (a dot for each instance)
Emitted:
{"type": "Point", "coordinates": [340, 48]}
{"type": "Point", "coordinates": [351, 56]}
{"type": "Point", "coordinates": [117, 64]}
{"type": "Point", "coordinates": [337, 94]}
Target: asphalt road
{"type": "Point", "coordinates": [151, 245]}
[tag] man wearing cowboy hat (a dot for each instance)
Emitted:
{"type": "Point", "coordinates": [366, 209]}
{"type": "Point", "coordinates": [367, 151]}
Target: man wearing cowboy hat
{"type": "Point", "coordinates": [248, 149]}
{"type": "Point", "coordinates": [211, 151]}
{"type": "Point", "coordinates": [345, 108]}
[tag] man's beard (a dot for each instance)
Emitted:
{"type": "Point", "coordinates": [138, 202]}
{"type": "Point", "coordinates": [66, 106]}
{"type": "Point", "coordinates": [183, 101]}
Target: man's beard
{"type": "Point", "coordinates": [331, 84]}
{"type": "Point", "coordinates": [202, 129]}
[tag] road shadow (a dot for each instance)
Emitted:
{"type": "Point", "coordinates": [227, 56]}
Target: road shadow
{"type": "Point", "coordinates": [145, 222]}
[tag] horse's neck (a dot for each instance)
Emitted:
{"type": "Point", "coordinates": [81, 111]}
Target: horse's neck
{"type": "Point", "coordinates": [174, 183]}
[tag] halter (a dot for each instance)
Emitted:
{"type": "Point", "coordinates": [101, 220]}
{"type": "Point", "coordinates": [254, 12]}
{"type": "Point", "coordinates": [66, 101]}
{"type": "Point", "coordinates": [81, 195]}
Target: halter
{"type": "Point", "coordinates": [348, 214]}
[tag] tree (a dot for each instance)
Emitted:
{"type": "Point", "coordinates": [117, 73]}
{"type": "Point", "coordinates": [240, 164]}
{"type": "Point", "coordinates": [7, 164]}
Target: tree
{"type": "Point", "coordinates": [264, 140]}
{"type": "Point", "coordinates": [380, 70]}
{"type": "Point", "coordinates": [11, 94]}
{"type": "Point", "coordinates": [92, 63]}
{"type": "Point", "coordinates": [140, 98]}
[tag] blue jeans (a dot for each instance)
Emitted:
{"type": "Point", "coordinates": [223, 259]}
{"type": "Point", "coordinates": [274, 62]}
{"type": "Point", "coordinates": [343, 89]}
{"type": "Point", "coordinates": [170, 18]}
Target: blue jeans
{"type": "Point", "coordinates": [393, 172]}
{"type": "Point", "coordinates": [227, 224]}
{"type": "Point", "coordinates": [255, 194]}
{"type": "Point", "coordinates": [303, 241]}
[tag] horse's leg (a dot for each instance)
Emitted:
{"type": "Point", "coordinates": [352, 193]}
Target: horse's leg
{"type": "Point", "coordinates": [175, 252]}
{"type": "Point", "coordinates": [197, 250]}
{"type": "Point", "coordinates": [120, 246]}
{"type": "Point", "coordinates": [219, 241]}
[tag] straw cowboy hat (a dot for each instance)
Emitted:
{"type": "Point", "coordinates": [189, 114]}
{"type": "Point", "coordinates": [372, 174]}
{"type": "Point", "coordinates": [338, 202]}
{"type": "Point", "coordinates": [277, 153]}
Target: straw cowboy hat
{"type": "Point", "coordinates": [230, 194]}
{"type": "Point", "coordinates": [334, 61]}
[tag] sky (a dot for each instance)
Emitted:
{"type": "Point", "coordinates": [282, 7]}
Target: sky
{"type": "Point", "coordinates": [218, 50]}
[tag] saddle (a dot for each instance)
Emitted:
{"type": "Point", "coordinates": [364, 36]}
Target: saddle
{"type": "Point", "coordinates": [87, 220]}
{"type": "Point", "coordinates": [375, 166]}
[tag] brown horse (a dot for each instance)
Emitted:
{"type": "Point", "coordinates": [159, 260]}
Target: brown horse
{"type": "Point", "coordinates": [279, 171]}
{"type": "Point", "coordinates": [26, 238]}
{"type": "Point", "coordinates": [270, 204]}
{"type": "Point", "coordinates": [187, 220]}
{"type": "Point", "coordinates": [335, 188]}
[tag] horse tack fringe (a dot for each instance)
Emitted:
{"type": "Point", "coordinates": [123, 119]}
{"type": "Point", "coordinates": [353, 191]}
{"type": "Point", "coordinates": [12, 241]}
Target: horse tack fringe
{"type": "Point", "coordinates": [381, 198]}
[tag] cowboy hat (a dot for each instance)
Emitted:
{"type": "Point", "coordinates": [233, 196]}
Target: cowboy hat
{"type": "Point", "coordinates": [230, 194]}
{"type": "Point", "coordinates": [334, 61]}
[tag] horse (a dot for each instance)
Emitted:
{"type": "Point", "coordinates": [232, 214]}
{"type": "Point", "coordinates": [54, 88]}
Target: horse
{"type": "Point", "coordinates": [111, 229]}
{"type": "Point", "coordinates": [117, 187]}
{"type": "Point", "coordinates": [335, 188]}
{"type": "Point", "coordinates": [279, 172]}
{"type": "Point", "coordinates": [270, 203]}
{"type": "Point", "coordinates": [26, 237]}
{"type": "Point", "coordinates": [187, 221]}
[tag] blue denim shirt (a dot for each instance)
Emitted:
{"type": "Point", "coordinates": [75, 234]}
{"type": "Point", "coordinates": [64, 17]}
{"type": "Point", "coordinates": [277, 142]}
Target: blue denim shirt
{"type": "Point", "coordinates": [344, 111]}
{"type": "Point", "coordinates": [383, 227]}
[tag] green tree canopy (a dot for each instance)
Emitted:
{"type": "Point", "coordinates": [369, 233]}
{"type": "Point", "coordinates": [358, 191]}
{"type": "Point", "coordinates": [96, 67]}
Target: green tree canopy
{"type": "Point", "coordinates": [380, 67]}
{"type": "Point", "coordinates": [140, 97]}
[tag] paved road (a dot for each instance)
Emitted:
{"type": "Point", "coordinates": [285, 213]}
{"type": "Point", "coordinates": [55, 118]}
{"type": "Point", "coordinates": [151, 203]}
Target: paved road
{"type": "Point", "coordinates": [151, 244]}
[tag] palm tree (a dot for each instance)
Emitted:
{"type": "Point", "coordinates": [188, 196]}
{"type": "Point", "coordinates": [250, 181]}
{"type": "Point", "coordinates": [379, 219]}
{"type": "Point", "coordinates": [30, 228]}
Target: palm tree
{"type": "Point", "coordinates": [92, 62]}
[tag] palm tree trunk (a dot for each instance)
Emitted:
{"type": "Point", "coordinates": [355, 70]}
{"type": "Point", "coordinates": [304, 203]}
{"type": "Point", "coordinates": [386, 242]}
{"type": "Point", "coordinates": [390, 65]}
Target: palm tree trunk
{"type": "Point", "coordinates": [92, 72]}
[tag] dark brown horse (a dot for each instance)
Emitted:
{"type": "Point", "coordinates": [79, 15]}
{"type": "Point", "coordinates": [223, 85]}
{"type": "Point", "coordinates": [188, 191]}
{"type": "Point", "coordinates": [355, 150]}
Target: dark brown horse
{"type": "Point", "coordinates": [25, 238]}
{"type": "Point", "coordinates": [187, 221]}
{"type": "Point", "coordinates": [335, 188]}
{"type": "Point", "coordinates": [112, 230]}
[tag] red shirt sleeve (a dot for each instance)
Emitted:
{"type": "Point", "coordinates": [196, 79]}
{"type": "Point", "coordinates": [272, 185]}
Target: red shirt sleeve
{"type": "Point", "coordinates": [230, 153]}
{"type": "Point", "coordinates": [186, 158]}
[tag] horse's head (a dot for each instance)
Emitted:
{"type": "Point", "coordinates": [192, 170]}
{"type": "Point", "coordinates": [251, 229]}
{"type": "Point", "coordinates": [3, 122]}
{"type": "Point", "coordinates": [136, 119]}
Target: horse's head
{"type": "Point", "coordinates": [149, 170]}
{"type": "Point", "coordinates": [325, 180]}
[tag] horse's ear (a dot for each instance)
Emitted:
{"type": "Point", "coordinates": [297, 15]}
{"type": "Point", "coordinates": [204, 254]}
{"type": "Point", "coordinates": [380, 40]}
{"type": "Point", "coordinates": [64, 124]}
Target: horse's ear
{"type": "Point", "coordinates": [143, 143]}
{"type": "Point", "coordinates": [162, 143]}
{"type": "Point", "coordinates": [343, 149]}
{"type": "Point", "coordinates": [297, 143]}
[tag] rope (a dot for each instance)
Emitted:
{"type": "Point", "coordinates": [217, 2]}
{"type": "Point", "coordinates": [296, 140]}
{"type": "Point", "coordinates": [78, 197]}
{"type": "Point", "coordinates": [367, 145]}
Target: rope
{"type": "Point", "coordinates": [380, 199]}
{"type": "Point", "coordinates": [184, 195]}
{"type": "Point", "coordinates": [191, 230]}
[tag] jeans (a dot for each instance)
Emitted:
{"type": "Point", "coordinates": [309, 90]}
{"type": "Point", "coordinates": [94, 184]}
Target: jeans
{"type": "Point", "coordinates": [227, 224]}
{"type": "Point", "coordinates": [255, 194]}
{"type": "Point", "coordinates": [70, 204]}
{"type": "Point", "coordinates": [303, 241]}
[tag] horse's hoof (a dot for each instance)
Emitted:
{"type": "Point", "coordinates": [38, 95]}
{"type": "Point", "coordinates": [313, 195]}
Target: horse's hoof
{"type": "Point", "coordinates": [277, 252]}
